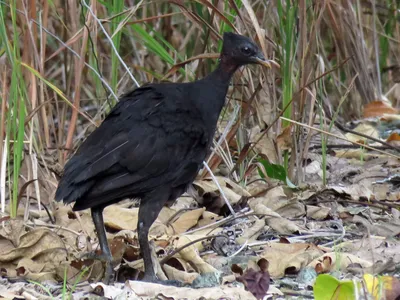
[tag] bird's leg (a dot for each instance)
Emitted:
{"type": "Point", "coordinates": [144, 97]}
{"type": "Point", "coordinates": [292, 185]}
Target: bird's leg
{"type": "Point", "coordinates": [149, 208]}
{"type": "Point", "coordinates": [97, 216]}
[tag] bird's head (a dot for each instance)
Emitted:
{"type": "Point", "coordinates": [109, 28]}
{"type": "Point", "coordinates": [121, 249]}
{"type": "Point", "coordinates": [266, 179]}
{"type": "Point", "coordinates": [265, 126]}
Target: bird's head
{"type": "Point", "coordinates": [240, 50]}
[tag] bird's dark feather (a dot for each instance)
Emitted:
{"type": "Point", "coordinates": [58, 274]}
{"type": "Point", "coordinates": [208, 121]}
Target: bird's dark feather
{"type": "Point", "coordinates": [153, 136]}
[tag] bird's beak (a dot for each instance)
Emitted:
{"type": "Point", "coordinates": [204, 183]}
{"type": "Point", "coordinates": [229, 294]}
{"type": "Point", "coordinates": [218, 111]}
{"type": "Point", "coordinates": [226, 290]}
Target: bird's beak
{"type": "Point", "coordinates": [260, 59]}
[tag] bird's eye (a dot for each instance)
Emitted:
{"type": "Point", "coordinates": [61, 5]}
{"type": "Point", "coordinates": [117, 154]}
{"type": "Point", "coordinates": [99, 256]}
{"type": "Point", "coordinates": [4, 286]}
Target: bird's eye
{"type": "Point", "coordinates": [246, 50]}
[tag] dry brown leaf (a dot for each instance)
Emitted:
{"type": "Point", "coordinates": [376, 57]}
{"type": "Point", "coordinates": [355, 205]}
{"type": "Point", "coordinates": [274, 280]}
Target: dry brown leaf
{"type": "Point", "coordinates": [364, 128]}
{"type": "Point", "coordinates": [378, 108]}
{"type": "Point", "coordinates": [393, 196]}
{"type": "Point", "coordinates": [118, 247]}
{"type": "Point", "coordinates": [222, 262]}
{"type": "Point", "coordinates": [273, 219]}
{"type": "Point", "coordinates": [5, 245]}
{"type": "Point", "coordinates": [238, 189]}
{"type": "Point", "coordinates": [252, 233]}
{"type": "Point", "coordinates": [355, 191]}
{"type": "Point", "coordinates": [265, 146]}
{"type": "Point", "coordinates": [339, 260]}
{"type": "Point", "coordinates": [381, 191]}
{"type": "Point", "coordinates": [12, 230]}
{"type": "Point", "coordinates": [116, 291]}
{"type": "Point", "coordinates": [283, 256]}
{"type": "Point", "coordinates": [127, 235]}
{"type": "Point", "coordinates": [182, 276]}
{"type": "Point", "coordinates": [385, 229]}
{"type": "Point", "coordinates": [233, 193]}
{"type": "Point", "coordinates": [36, 255]}
{"type": "Point", "coordinates": [317, 212]}
{"type": "Point", "coordinates": [30, 266]}
{"type": "Point", "coordinates": [32, 270]}
{"type": "Point", "coordinates": [159, 230]}
{"type": "Point", "coordinates": [324, 265]}
{"type": "Point", "coordinates": [394, 139]}
{"type": "Point", "coordinates": [359, 154]}
{"type": "Point", "coordinates": [191, 254]}
{"type": "Point", "coordinates": [180, 264]}
{"type": "Point", "coordinates": [258, 187]}
{"type": "Point", "coordinates": [307, 193]}
{"type": "Point", "coordinates": [184, 202]}
{"type": "Point", "coordinates": [187, 220]}
{"type": "Point", "coordinates": [228, 279]}
{"type": "Point", "coordinates": [119, 218]}
{"type": "Point", "coordinates": [150, 291]}
{"type": "Point", "coordinates": [374, 248]}
{"type": "Point", "coordinates": [32, 243]}
{"type": "Point", "coordinates": [277, 200]}
{"type": "Point", "coordinates": [8, 295]}
{"type": "Point", "coordinates": [207, 186]}
{"type": "Point", "coordinates": [137, 264]}
{"type": "Point", "coordinates": [65, 218]}
{"type": "Point", "coordinates": [390, 117]}
{"type": "Point", "coordinates": [354, 246]}
{"type": "Point", "coordinates": [285, 139]}
{"type": "Point", "coordinates": [208, 218]}
{"type": "Point", "coordinates": [273, 196]}
{"type": "Point", "coordinates": [166, 214]}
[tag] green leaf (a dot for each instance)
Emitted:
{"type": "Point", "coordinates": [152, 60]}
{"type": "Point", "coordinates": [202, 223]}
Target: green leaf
{"type": "Point", "coordinates": [327, 287]}
{"type": "Point", "coordinates": [152, 44]}
{"type": "Point", "coordinates": [273, 171]}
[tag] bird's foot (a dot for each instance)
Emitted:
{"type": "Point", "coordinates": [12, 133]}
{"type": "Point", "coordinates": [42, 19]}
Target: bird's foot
{"type": "Point", "coordinates": [154, 279]}
{"type": "Point", "coordinates": [109, 272]}
{"type": "Point", "coordinates": [94, 255]}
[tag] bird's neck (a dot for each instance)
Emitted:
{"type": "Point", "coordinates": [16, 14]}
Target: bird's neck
{"type": "Point", "coordinates": [215, 85]}
{"type": "Point", "coordinates": [223, 73]}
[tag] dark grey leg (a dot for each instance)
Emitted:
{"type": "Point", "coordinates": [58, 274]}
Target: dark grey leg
{"type": "Point", "coordinates": [97, 216]}
{"type": "Point", "coordinates": [149, 208]}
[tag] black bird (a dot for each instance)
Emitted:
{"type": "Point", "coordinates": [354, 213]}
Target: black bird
{"type": "Point", "coordinates": [151, 146]}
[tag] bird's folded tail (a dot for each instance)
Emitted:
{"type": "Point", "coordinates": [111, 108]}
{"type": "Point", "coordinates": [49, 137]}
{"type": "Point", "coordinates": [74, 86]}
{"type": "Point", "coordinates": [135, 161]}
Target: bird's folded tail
{"type": "Point", "coordinates": [69, 192]}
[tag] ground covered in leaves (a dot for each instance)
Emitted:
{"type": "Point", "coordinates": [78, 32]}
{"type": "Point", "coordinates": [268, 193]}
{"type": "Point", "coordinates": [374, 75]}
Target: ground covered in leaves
{"type": "Point", "coordinates": [277, 243]}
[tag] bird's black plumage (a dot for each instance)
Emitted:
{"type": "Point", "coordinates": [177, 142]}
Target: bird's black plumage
{"type": "Point", "coordinates": [152, 145]}
{"type": "Point", "coordinates": [145, 142]}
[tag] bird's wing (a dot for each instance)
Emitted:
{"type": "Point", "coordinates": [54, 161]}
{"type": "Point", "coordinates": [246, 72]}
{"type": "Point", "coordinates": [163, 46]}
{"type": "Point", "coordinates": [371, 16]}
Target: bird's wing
{"type": "Point", "coordinates": [145, 140]}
